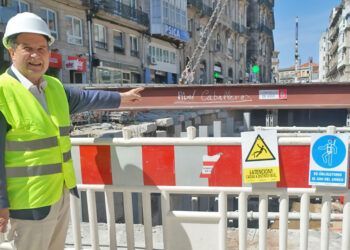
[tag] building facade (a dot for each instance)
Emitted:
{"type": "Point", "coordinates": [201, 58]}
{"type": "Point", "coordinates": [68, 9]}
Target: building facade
{"type": "Point", "coordinates": [307, 72]}
{"type": "Point", "coordinates": [224, 59]}
{"type": "Point", "coordinates": [275, 63]}
{"type": "Point", "coordinates": [149, 41]}
{"type": "Point", "coordinates": [334, 46]}
{"type": "Point", "coordinates": [323, 57]}
{"type": "Point", "coordinates": [261, 23]}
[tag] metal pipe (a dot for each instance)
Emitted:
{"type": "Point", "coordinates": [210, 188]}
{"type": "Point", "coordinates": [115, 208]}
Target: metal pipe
{"type": "Point", "coordinates": [304, 220]}
{"type": "Point", "coordinates": [147, 219]}
{"type": "Point", "coordinates": [346, 223]}
{"type": "Point", "coordinates": [326, 210]}
{"type": "Point", "coordinates": [109, 201]}
{"type": "Point", "coordinates": [91, 202]}
{"type": "Point", "coordinates": [242, 221]}
{"type": "Point", "coordinates": [75, 220]}
{"type": "Point", "coordinates": [263, 208]}
{"type": "Point", "coordinates": [222, 207]}
{"type": "Point", "coordinates": [129, 221]}
{"type": "Point", "coordinates": [283, 222]}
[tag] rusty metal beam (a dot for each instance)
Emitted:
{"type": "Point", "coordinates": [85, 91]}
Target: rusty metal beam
{"type": "Point", "coordinates": [241, 96]}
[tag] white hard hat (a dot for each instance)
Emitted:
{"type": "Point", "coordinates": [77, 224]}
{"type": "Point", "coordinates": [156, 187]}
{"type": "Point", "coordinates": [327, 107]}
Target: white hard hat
{"type": "Point", "coordinates": [26, 22]}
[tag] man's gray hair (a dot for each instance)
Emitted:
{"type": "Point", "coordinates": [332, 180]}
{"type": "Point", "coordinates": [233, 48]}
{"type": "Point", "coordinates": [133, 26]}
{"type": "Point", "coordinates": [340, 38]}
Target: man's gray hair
{"type": "Point", "coordinates": [12, 41]}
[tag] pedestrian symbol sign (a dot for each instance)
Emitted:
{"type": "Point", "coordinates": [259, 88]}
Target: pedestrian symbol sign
{"type": "Point", "coordinates": [260, 151]}
{"type": "Point", "coordinates": [260, 162]}
{"type": "Point", "coordinates": [328, 160]}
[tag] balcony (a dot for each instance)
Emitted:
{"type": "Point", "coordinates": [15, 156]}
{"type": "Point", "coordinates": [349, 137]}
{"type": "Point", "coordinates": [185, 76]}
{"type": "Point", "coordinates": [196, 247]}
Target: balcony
{"type": "Point", "coordinates": [101, 45]}
{"type": "Point", "coordinates": [235, 27]}
{"type": "Point", "coordinates": [268, 3]}
{"type": "Point", "coordinates": [134, 53]}
{"type": "Point", "coordinates": [124, 11]}
{"type": "Point", "coordinates": [119, 50]}
{"type": "Point", "coordinates": [242, 29]}
{"type": "Point", "coordinates": [202, 8]}
{"type": "Point", "coordinates": [265, 29]}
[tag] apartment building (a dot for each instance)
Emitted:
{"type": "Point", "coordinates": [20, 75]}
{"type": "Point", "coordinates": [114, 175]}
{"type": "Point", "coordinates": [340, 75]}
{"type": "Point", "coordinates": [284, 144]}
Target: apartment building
{"type": "Point", "coordinates": [334, 46]}
{"type": "Point", "coordinates": [149, 41]}
{"type": "Point", "coordinates": [260, 23]}
{"type": "Point", "coordinates": [224, 59]}
{"type": "Point", "coordinates": [275, 67]}
{"type": "Point", "coordinates": [307, 72]}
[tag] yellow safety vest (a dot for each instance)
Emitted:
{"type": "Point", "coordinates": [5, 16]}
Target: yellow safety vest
{"type": "Point", "coordinates": [37, 152]}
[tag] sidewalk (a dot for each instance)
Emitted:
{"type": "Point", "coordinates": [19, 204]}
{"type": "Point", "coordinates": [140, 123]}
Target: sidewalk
{"type": "Point", "coordinates": [232, 238]}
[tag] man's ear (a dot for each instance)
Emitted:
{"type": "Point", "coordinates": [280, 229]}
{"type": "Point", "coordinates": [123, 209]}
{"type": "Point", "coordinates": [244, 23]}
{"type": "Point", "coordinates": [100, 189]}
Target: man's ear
{"type": "Point", "coordinates": [11, 52]}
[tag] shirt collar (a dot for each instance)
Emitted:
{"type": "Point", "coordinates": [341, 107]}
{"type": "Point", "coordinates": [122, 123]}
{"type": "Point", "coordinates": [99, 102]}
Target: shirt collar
{"type": "Point", "coordinates": [25, 82]}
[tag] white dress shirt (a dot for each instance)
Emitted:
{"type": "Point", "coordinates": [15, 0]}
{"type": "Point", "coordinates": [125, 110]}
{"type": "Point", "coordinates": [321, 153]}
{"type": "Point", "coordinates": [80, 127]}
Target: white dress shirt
{"type": "Point", "coordinates": [37, 91]}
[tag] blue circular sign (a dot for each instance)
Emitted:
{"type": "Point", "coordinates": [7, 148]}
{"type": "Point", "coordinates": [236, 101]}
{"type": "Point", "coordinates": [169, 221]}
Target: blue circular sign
{"type": "Point", "coordinates": [328, 151]}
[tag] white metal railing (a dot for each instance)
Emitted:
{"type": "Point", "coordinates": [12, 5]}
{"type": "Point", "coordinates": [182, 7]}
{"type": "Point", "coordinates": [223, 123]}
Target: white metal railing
{"type": "Point", "coordinates": [221, 215]}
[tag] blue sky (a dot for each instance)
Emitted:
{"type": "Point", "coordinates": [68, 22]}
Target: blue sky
{"type": "Point", "coordinates": [313, 20]}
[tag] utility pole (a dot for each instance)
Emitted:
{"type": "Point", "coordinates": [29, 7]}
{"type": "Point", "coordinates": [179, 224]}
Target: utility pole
{"type": "Point", "coordinates": [93, 8]}
{"type": "Point", "coordinates": [296, 55]}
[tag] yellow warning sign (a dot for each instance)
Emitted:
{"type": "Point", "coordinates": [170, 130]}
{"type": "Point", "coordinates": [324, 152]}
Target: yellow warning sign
{"type": "Point", "coordinates": [260, 151]}
{"type": "Point", "coordinates": [254, 175]}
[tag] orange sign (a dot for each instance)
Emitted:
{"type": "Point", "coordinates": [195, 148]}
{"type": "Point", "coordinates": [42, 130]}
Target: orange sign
{"type": "Point", "coordinates": [55, 60]}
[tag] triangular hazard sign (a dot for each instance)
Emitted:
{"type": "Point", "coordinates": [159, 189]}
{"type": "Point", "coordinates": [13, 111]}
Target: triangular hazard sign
{"type": "Point", "coordinates": [260, 151]}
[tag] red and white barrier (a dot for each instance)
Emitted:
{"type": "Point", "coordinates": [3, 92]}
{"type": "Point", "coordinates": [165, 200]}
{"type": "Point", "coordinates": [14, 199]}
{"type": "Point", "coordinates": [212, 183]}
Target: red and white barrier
{"type": "Point", "coordinates": [179, 162]}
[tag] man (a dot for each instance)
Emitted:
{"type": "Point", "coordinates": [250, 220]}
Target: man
{"type": "Point", "coordinates": [36, 170]}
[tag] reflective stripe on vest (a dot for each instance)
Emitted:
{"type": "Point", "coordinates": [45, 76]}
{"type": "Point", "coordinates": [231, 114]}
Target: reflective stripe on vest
{"type": "Point", "coordinates": [31, 145]}
{"type": "Point", "coordinates": [28, 171]}
{"type": "Point", "coordinates": [64, 131]}
{"type": "Point", "coordinates": [67, 156]}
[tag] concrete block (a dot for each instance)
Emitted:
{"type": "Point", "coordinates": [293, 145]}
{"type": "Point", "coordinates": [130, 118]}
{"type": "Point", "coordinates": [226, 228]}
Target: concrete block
{"type": "Point", "coordinates": [177, 130]}
{"type": "Point", "coordinates": [161, 133]}
{"type": "Point", "coordinates": [217, 129]}
{"type": "Point", "coordinates": [203, 131]}
{"type": "Point", "coordinates": [165, 122]}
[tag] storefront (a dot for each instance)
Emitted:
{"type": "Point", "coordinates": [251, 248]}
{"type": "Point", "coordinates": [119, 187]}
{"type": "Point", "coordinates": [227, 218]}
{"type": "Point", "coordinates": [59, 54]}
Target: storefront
{"type": "Point", "coordinates": [117, 73]}
{"type": "Point", "coordinates": [55, 64]}
{"type": "Point", "coordinates": [77, 67]}
{"type": "Point", "coordinates": [158, 76]}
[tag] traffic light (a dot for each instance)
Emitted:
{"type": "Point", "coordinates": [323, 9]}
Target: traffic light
{"type": "Point", "coordinates": [255, 69]}
{"type": "Point", "coordinates": [216, 75]}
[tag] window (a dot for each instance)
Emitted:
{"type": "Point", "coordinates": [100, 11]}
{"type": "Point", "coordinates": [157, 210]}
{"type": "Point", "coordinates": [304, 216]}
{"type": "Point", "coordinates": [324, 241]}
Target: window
{"type": "Point", "coordinates": [50, 18]}
{"type": "Point", "coordinates": [230, 46]}
{"type": "Point", "coordinates": [100, 36]}
{"type": "Point", "coordinates": [118, 42]}
{"type": "Point", "coordinates": [172, 57]}
{"type": "Point", "coordinates": [133, 6]}
{"type": "Point", "coordinates": [178, 18]}
{"type": "Point", "coordinates": [166, 56]}
{"type": "Point", "coordinates": [166, 12]}
{"type": "Point", "coordinates": [153, 53]}
{"type": "Point", "coordinates": [21, 6]}
{"type": "Point", "coordinates": [134, 46]}
{"type": "Point", "coordinates": [230, 72]}
{"type": "Point", "coordinates": [171, 15]}
{"type": "Point", "coordinates": [158, 54]}
{"type": "Point", "coordinates": [183, 19]}
{"type": "Point", "coordinates": [74, 30]}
